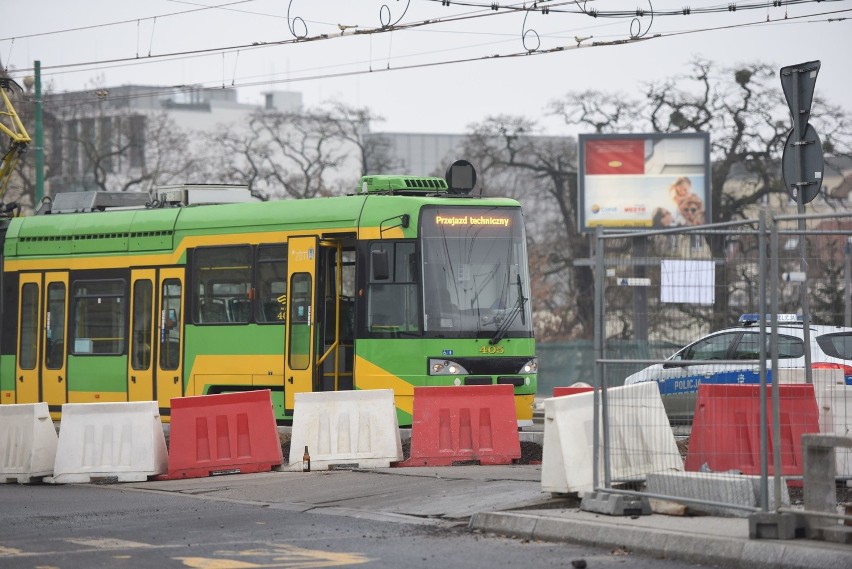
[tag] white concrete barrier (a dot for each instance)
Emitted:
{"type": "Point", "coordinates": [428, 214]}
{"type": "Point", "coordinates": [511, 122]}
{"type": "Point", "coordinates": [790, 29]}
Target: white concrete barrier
{"type": "Point", "coordinates": [352, 428]}
{"type": "Point", "coordinates": [27, 442]}
{"type": "Point", "coordinates": [717, 487]}
{"type": "Point", "coordinates": [834, 399]}
{"type": "Point", "coordinates": [641, 440]}
{"type": "Point", "coordinates": [106, 440]}
{"type": "Point", "coordinates": [835, 417]}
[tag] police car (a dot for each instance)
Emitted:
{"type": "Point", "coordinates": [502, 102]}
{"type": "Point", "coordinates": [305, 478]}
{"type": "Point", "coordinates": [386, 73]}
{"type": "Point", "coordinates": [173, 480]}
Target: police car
{"type": "Point", "coordinates": [678, 379]}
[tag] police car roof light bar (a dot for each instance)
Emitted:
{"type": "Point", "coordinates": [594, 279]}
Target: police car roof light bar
{"type": "Point", "coordinates": [754, 318]}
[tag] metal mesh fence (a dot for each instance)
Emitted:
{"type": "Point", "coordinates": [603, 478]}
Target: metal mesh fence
{"type": "Point", "coordinates": [709, 427]}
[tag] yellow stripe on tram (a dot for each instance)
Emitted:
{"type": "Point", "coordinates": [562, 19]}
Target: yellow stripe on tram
{"type": "Point", "coordinates": [370, 376]}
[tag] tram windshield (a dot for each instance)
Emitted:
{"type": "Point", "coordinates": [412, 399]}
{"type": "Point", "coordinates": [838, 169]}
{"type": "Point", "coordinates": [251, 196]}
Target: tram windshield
{"type": "Point", "coordinates": [475, 277]}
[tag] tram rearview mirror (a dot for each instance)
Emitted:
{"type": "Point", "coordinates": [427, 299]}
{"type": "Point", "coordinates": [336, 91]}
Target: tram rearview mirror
{"type": "Point", "coordinates": [461, 177]}
{"type": "Point", "coordinates": [379, 262]}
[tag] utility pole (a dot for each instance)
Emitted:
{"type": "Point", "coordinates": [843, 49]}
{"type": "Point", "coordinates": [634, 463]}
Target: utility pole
{"type": "Point", "coordinates": [39, 140]}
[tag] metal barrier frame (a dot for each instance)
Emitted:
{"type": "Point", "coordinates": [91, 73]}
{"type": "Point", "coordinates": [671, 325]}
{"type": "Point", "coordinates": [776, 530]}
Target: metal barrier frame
{"type": "Point", "coordinates": [767, 235]}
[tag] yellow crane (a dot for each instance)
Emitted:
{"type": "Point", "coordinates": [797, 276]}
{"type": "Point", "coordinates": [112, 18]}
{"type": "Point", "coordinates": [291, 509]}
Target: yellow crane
{"type": "Point", "coordinates": [11, 126]}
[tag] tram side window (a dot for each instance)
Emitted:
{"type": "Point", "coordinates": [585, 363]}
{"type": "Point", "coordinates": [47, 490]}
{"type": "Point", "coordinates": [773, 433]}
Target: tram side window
{"type": "Point", "coordinates": [271, 302]}
{"type": "Point", "coordinates": [222, 277]}
{"type": "Point", "coordinates": [54, 355]}
{"type": "Point", "coordinates": [170, 320]}
{"type": "Point", "coordinates": [392, 302]}
{"type": "Point", "coordinates": [347, 298]}
{"type": "Point", "coordinates": [143, 299]}
{"type": "Point", "coordinates": [299, 348]}
{"type": "Point", "coordinates": [99, 317]}
{"type": "Point", "coordinates": [29, 326]}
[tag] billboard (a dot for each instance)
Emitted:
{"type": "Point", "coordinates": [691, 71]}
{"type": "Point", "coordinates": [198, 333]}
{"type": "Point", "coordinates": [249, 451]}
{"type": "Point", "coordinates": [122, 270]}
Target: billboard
{"type": "Point", "coordinates": [644, 181]}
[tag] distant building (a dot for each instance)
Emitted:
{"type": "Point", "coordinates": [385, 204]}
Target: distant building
{"type": "Point", "coordinates": [420, 154]}
{"type": "Point", "coordinates": [110, 123]}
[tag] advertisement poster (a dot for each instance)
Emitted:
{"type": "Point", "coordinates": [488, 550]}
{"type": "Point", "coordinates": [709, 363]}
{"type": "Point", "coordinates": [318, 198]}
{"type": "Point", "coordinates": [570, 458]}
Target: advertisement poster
{"type": "Point", "coordinates": [650, 181]}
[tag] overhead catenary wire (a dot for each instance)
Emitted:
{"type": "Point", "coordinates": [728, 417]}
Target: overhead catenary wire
{"type": "Point", "coordinates": [256, 45]}
{"type": "Point", "coordinates": [485, 10]}
{"type": "Point", "coordinates": [311, 77]}
{"type": "Point", "coordinates": [120, 22]}
{"type": "Point", "coordinates": [425, 25]}
{"type": "Point", "coordinates": [552, 7]}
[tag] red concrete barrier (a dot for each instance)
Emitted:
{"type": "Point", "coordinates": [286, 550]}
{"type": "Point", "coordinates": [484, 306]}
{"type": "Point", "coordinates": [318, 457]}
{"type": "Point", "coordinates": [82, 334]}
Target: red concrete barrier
{"type": "Point", "coordinates": [223, 434]}
{"type": "Point", "coordinates": [572, 390]}
{"type": "Point", "coordinates": [471, 423]}
{"type": "Point", "coordinates": [726, 429]}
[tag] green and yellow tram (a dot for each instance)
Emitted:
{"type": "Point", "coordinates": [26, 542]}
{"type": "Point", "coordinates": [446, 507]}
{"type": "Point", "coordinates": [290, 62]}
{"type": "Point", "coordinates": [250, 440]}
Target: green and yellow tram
{"type": "Point", "coordinates": [405, 283]}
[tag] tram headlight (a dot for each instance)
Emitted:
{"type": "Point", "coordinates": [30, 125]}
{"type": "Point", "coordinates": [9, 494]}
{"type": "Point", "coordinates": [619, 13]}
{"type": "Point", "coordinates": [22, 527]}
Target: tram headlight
{"type": "Point", "coordinates": [530, 367]}
{"type": "Point", "coordinates": [445, 367]}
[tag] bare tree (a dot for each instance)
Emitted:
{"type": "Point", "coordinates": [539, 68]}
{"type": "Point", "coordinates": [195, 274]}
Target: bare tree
{"type": "Point", "coordinates": [237, 154]}
{"type": "Point", "coordinates": [307, 143]}
{"type": "Point", "coordinates": [300, 154]}
{"type": "Point", "coordinates": [97, 143]}
{"type": "Point", "coordinates": [600, 111]}
{"type": "Point", "coordinates": [353, 126]}
{"type": "Point", "coordinates": [743, 110]}
{"type": "Point", "coordinates": [747, 120]}
{"type": "Point", "coordinates": [170, 157]}
{"type": "Point", "coordinates": [282, 155]}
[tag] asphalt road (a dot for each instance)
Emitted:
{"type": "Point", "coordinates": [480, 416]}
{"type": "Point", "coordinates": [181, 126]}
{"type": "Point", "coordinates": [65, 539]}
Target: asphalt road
{"type": "Point", "coordinates": [88, 526]}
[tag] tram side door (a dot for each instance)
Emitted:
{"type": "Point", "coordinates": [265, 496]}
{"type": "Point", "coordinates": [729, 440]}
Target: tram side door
{"type": "Point", "coordinates": [300, 336]}
{"type": "Point", "coordinates": [170, 307]}
{"type": "Point", "coordinates": [29, 339]}
{"type": "Point", "coordinates": [40, 367]}
{"type": "Point", "coordinates": [54, 381]}
{"type": "Point", "coordinates": [143, 335]}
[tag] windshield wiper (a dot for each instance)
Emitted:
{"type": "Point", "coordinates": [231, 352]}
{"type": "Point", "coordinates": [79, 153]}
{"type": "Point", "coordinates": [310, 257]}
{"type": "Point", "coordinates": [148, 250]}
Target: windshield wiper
{"type": "Point", "coordinates": [517, 309]}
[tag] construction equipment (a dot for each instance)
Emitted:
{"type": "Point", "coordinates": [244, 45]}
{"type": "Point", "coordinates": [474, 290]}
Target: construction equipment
{"type": "Point", "coordinates": [19, 139]}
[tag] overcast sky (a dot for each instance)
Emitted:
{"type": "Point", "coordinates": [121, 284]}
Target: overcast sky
{"type": "Point", "coordinates": [249, 44]}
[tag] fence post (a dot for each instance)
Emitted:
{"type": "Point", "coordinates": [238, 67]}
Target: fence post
{"type": "Point", "coordinates": [764, 467]}
{"type": "Point", "coordinates": [599, 353]}
{"type": "Point", "coordinates": [776, 419]}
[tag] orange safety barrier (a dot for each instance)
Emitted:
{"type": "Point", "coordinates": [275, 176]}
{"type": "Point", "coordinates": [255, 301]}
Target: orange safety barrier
{"type": "Point", "coordinates": [572, 390]}
{"type": "Point", "coordinates": [223, 434]}
{"type": "Point", "coordinates": [471, 423]}
{"type": "Point", "coordinates": [726, 429]}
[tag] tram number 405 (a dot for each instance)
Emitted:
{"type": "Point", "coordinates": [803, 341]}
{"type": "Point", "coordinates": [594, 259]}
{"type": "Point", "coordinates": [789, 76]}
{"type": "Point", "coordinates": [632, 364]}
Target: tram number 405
{"type": "Point", "coordinates": [491, 350]}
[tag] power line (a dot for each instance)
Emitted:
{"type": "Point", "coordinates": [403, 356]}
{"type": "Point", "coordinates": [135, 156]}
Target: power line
{"type": "Point", "coordinates": [226, 8]}
{"type": "Point", "coordinates": [361, 31]}
{"type": "Point", "coordinates": [121, 22]}
{"type": "Point", "coordinates": [512, 55]}
{"type": "Point", "coordinates": [254, 45]}
{"type": "Point", "coordinates": [545, 6]}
